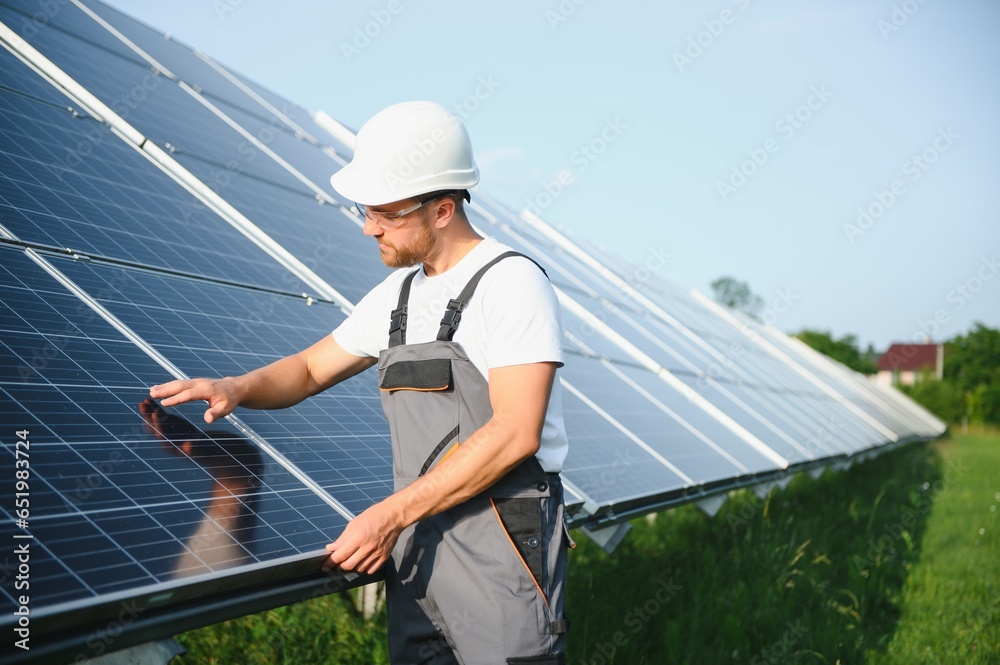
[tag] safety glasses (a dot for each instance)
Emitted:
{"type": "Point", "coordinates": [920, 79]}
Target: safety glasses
{"type": "Point", "coordinates": [395, 219]}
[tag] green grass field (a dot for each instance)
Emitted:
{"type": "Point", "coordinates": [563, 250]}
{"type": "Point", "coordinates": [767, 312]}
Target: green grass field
{"type": "Point", "coordinates": [896, 560]}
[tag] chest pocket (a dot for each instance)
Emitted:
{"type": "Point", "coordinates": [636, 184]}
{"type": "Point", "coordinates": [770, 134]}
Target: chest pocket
{"type": "Point", "coordinates": [430, 375]}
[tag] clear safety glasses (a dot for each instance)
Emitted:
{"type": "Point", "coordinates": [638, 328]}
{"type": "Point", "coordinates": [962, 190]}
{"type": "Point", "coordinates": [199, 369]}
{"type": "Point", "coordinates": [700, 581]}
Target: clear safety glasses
{"type": "Point", "coordinates": [395, 219]}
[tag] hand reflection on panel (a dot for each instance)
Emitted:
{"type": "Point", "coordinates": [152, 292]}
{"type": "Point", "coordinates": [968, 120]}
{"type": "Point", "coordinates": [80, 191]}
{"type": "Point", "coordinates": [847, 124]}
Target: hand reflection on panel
{"type": "Point", "coordinates": [222, 536]}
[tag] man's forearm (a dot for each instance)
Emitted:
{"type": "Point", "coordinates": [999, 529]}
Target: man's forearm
{"type": "Point", "coordinates": [519, 396]}
{"type": "Point", "coordinates": [281, 384]}
{"type": "Point", "coordinates": [479, 462]}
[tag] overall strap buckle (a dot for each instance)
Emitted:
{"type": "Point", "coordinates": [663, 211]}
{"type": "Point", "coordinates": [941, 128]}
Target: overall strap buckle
{"type": "Point", "coordinates": [453, 313]}
{"type": "Point", "coordinates": [451, 318]}
{"type": "Point", "coordinates": [397, 320]}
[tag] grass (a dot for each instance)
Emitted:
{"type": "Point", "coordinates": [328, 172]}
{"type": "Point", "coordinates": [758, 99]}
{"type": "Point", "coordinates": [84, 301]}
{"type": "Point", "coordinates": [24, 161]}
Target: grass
{"type": "Point", "coordinates": [324, 630]}
{"type": "Point", "coordinates": [951, 598]}
{"type": "Point", "coordinates": [882, 563]}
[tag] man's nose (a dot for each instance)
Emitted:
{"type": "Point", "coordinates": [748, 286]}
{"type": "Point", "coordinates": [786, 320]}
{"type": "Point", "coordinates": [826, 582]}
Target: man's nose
{"type": "Point", "coordinates": [371, 228]}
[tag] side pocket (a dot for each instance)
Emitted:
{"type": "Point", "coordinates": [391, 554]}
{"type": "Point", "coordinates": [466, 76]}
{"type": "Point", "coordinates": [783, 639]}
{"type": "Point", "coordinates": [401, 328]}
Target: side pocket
{"type": "Point", "coordinates": [448, 438]}
{"type": "Point", "coordinates": [521, 519]}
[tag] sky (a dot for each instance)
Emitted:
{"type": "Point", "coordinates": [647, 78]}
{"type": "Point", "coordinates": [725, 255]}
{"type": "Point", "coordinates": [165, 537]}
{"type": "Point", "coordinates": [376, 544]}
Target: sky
{"type": "Point", "coordinates": [840, 157]}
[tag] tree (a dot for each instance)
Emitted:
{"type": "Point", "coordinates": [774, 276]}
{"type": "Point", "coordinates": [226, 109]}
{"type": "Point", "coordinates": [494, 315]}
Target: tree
{"type": "Point", "coordinates": [972, 364]}
{"type": "Point", "coordinates": [844, 350]}
{"type": "Point", "coordinates": [974, 358]}
{"type": "Point", "coordinates": [735, 294]}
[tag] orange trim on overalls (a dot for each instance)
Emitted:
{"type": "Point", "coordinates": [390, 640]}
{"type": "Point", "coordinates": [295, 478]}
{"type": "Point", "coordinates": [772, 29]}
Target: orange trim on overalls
{"type": "Point", "coordinates": [419, 390]}
{"type": "Point", "coordinates": [518, 553]}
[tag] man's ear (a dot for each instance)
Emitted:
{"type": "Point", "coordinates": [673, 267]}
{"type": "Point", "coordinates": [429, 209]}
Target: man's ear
{"type": "Point", "coordinates": [445, 209]}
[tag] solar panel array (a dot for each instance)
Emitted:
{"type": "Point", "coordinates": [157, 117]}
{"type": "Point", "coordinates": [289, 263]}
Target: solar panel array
{"type": "Point", "coordinates": [161, 216]}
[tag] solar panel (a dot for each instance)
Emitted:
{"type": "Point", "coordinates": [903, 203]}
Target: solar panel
{"type": "Point", "coordinates": [81, 187]}
{"type": "Point", "coordinates": [114, 505]}
{"type": "Point", "coordinates": [339, 437]}
{"type": "Point", "coordinates": [155, 105]}
{"type": "Point", "coordinates": [321, 236]}
{"type": "Point", "coordinates": [233, 252]}
{"type": "Point", "coordinates": [280, 205]}
{"type": "Point", "coordinates": [673, 437]}
{"type": "Point", "coordinates": [864, 393]}
{"type": "Point", "coordinates": [602, 462]}
{"type": "Point", "coordinates": [215, 81]}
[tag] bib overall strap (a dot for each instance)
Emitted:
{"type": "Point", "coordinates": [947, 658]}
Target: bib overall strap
{"type": "Point", "coordinates": [397, 322]}
{"type": "Point", "coordinates": [453, 314]}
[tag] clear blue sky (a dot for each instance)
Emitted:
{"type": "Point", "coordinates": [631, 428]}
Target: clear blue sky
{"type": "Point", "coordinates": [839, 97]}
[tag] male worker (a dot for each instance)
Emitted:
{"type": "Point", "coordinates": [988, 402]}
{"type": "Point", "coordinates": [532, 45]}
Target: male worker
{"type": "Point", "coordinates": [467, 346]}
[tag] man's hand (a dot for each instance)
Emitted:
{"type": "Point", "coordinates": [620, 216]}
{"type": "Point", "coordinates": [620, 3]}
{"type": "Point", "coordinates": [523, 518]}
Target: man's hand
{"type": "Point", "coordinates": [367, 541]}
{"type": "Point", "coordinates": [222, 395]}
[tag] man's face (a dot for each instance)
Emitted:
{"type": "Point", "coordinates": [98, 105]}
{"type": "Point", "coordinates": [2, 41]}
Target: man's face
{"type": "Point", "coordinates": [407, 245]}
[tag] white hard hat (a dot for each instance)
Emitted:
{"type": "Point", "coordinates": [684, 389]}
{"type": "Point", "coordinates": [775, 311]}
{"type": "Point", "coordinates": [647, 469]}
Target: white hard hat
{"type": "Point", "coordinates": [403, 151]}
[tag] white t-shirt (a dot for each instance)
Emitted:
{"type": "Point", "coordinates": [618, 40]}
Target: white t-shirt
{"type": "Point", "coordinates": [512, 319]}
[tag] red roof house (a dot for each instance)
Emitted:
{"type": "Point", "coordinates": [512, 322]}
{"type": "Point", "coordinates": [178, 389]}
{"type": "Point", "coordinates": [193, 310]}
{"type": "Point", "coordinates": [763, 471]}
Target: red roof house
{"type": "Point", "coordinates": [908, 363]}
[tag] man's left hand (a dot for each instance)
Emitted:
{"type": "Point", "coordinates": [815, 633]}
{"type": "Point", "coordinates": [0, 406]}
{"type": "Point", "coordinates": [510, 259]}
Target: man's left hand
{"type": "Point", "coordinates": [367, 541]}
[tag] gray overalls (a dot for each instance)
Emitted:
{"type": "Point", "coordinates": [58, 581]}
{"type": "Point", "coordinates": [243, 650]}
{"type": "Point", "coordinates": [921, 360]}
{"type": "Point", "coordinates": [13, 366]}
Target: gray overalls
{"type": "Point", "coordinates": [484, 581]}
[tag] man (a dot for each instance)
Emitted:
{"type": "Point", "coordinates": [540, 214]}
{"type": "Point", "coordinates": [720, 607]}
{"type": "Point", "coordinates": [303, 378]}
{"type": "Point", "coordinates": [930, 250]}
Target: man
{"type": "Point", "coordinates": [468, 345]}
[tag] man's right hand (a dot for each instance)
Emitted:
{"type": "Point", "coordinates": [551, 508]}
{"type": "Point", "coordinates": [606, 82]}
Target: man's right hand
{"type": "Point", "coordinates": [222, 395]}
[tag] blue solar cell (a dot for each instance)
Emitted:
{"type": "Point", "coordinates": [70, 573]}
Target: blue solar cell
{"type": "Point", "coordinates": [319, 235]}
{"type": "Point", "coordinates": [152, 103]}
{"type": "Point", "coordinates": [859, 392]}
{"type": "Point", "coordinates": [340, 438]}
{"type": "Point", "coordinates": [670, 434]}
{"type": "Point", "coordinates": [194, 70]}
{"type": "Point", "coordinates": [606, 466]}
{"type": "Point", "coordinates": [80, 186]}
{"type": "Point", "coordinates": [105, 464]}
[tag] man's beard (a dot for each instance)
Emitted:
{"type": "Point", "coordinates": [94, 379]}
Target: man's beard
{"type": "Point", "coordinates": [402, 256]}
